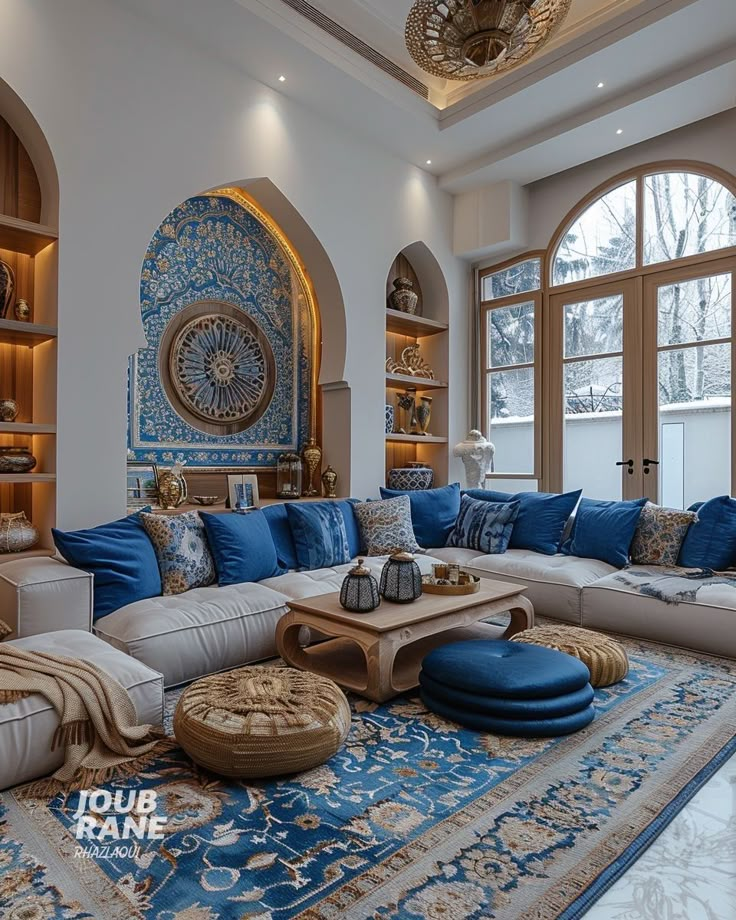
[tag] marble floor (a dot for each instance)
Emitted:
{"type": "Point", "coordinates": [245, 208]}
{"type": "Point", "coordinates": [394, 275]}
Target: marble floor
{"type": "Point", "coordinates": [689, 872]}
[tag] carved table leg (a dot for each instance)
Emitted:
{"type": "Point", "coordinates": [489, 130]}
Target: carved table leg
{"type": "Point", "coordinates": [522, 617]}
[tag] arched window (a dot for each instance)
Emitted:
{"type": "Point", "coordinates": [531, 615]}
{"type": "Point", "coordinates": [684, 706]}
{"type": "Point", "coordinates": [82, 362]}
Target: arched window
{"type": "Point", "coordinates": [637, 343]}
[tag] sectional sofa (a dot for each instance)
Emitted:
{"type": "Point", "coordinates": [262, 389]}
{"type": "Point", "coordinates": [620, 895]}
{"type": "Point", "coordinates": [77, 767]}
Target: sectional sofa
{"type": "Point", "coordinates": [210, 629]}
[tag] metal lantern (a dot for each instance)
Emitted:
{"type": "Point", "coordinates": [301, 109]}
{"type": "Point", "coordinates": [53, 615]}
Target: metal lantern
{"type": "Point", "coordinates": [289, 476]}
{"type": "Point", "coordinates": [359, 591]}
{"type": "Point", "coordinates": [401, 580]}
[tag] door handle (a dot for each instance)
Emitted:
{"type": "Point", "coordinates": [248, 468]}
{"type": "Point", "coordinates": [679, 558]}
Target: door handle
{"type": "Point", "coordinates": [649, 463]}
{"type": "Point", "coordinates": [627, 463]}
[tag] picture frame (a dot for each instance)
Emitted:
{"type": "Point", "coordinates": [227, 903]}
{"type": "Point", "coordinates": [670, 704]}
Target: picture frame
{"type": "Point", "coordinates": [141, 486]}
{"type": "Point", "coordinates": [242, 490]}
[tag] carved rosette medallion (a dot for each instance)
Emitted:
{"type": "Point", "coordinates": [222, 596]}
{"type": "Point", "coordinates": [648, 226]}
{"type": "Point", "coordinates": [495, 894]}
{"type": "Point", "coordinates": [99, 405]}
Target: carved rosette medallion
{"type": "Point", "coordinates": [218, 367]}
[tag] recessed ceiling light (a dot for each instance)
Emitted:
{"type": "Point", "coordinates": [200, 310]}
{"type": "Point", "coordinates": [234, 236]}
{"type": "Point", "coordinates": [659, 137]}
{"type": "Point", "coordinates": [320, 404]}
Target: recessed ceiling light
{"type": "Point", "coordinates": [282, 79]}
{"type": "Point", "coordinates": [429, 162]}
{"type": "Point", "coordinates": [601, 85]}
{"type": "Point", "coordinates": [620, 131]}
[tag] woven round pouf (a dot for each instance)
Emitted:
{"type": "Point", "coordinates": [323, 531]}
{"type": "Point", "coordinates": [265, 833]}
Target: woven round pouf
{"type": "Point", "coordinates": [258, 722]}
{"type": "Point", "coordinates": [605, 657]}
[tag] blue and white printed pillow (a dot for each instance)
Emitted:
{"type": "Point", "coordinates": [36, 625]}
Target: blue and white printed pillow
{"type": "Point", "coordinates": [184, 557]}
{"type": "Point", "coordinates": [320, 535]}
{"type": "Point", "coordinates": [386, 527]}
{"type": "Point", "coordinates": [485, 526]}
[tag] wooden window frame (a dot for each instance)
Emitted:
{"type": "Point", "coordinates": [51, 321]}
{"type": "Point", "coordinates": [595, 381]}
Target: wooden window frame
{"type": "Point", "coordinates": [548, 442]}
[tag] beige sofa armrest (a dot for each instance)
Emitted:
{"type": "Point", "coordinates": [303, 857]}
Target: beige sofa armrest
{"type": "Point", "coordinates": [40, 595]}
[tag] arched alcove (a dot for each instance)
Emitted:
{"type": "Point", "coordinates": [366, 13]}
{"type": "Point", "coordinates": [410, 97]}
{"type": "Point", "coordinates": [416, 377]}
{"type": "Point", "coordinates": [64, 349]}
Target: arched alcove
{"type": "Point", "coordinates": [285, 248]}
{"type": "Point", "coordinates": [29, 201]}
{"type": "Point", "coordinates": [407, 366]}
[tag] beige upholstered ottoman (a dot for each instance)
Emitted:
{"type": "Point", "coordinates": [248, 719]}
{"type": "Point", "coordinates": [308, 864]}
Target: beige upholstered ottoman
{"type": "Point", "coordinates": [605, 657]}
{"type": "Point", "coordinates": [258, 722]}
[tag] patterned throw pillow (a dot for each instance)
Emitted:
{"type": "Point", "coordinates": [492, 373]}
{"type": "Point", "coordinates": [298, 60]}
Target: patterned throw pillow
{"type": "Point", "coordinates": [485, 526]}
{"type": "Point", "coordinates": [183, 554]}
{"type": "Point", "coordinates": [659, 536]}
{"type": "Point", "coordinates": [320, 537]}
{"type": "Point", "coordinates": [385, 527]}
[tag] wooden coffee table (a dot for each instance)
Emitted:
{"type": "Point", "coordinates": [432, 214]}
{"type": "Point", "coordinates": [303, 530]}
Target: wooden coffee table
{"type": "Point", "coordinates": [379, 654]}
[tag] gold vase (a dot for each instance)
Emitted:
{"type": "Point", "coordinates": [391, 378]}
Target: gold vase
{"type": "Point", "coordinates": [424, 413]}
{"type": "Point", "coordinates": [312, 456]}
{"type": "Point", "coordinates": [329, 483]}
{"type": "Point", "coordinates": [172, 489]}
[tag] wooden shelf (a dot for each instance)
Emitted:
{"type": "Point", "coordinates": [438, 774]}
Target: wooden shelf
{"type": "Point", "coordinates": [416, 438]}
{"type": "Point", "coordinates": [26, 428]}
{"type": "Point", "coordinates": [26, 477]}
{"type": "Point", "coordinates": [401, 381]}
{"type": "Point", "coordinates": [27, 554]}
{"type": "Point", "coordinates": [13, 332]}
{"type": "Point", "coordinates": [407, 324]}
{"type": "Point", "coordinates": [24, 236]}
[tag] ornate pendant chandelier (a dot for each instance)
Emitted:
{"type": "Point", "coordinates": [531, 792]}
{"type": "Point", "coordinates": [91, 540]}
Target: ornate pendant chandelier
{"type": "Point", "coordinates": [473, 39]}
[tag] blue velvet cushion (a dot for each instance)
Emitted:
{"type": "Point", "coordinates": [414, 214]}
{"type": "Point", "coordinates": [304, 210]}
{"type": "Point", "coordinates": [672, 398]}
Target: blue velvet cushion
{"type": "Point", "coordinates": [278, 522]}
{"type": "Point", "coordinates": [541, 520]}
{"type": "Point", "coordinates": [605, 530]}
{"type": "Point", "coordinates": [546, 707]}
{"type": "Point", "coordinates": [482, 525]}
{"type": "Point", "coordinates": [320, 534]}
{"type": "Point", "coordinates": [520, 728]}
{"type": "Point", "coordinates": [433, 512]}
{"type": "Point", "coordinates": [511, 670]}
{"type": "Point", "coordinates": [710, 542]}
{"type": "Point", "coordinates": [242, 547]}
{"type": "Point", "coordinates": [120, 556]}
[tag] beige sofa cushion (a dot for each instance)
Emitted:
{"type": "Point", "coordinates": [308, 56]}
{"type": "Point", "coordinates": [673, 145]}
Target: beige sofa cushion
{"type": "Point", "coordinates": [708, 625]}
{"type": "Point", "coordinates": [554, 583]}
{"type": "Point", "coordinates": [298, 585]}
{"type": "Point", "coordinates": [199, 632]}
{"type": "Point", "coordinates": [27, 727]}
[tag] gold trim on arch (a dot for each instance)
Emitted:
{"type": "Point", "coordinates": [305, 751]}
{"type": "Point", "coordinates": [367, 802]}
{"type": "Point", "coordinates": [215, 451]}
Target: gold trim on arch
{"type": "Point", "coordinates": [252, 207]}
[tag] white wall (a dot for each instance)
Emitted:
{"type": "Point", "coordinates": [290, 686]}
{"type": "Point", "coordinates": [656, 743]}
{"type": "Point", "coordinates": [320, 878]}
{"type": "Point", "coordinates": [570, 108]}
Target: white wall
{"type": "Point", "coordinates": [137, 122]}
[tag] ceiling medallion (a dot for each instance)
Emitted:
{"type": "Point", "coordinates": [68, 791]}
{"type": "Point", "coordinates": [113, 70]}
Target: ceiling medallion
{"type": "Point", "coordinates": [218, 367]}
{"type": "Point", "coordinates": [474, 39]}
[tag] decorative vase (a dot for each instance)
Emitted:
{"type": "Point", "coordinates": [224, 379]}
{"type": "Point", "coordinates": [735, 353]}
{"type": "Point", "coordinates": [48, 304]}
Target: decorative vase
{"type": "Point", "coordinates": [407, 402]}
{"type": "Point", "coordinates": [329, 483]}
{"type": "Point", "coordinates": [16, 460]}
{"type": "Point", "coordinates": [424, 413]}
{"type": "Point", "coordinates": [389, 419]}
{"type": "Point", "coordinates": [410, 480]}
{"type": "Point", "coordinates": [9, 409]}
{"type": "Point", "coordinates": [22, 310]}
{"type": "Point", "coordinates": [17, 533]}
{"type": "Point", "coordinates": [312, 456]}
{"type": "Point", "coordinates": [401, 579]}
{"type": "Point", "coordinates": [404, 298]}
{"type": "Point", "coordinates": [7, 288]}
{"type": "Point", "coordinates": [477, 456]}
{"type": "Point", "coordinates": [359, 590]}
{"type": "Point", "coordinates": [172, 487]}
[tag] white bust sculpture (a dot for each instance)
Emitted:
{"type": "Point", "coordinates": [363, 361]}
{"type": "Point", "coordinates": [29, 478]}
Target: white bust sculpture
{"type": "Point", "coordinates": [477, 455]}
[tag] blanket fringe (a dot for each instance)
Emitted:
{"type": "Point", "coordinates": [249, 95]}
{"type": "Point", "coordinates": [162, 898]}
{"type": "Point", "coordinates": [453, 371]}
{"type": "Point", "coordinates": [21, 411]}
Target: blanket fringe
{"type": "Point", "coordinates": [77, 732]}
{"type": "Point", "coordinates": [87, 779]}
{"type": "Point", "coordinates": [13, 696]}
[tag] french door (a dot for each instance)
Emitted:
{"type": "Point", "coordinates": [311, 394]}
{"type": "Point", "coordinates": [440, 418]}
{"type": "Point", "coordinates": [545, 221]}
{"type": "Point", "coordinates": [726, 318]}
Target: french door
{"type": "Point", "coordinates": [688, 343]}
{"type": "Point", "coordinates": [595, 381]}
{"type": "Point", "coordinates": [638, 392]}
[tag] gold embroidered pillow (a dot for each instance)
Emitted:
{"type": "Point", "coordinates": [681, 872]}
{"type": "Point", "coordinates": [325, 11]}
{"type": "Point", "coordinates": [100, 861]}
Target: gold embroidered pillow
{"type": "Point", "coordinates": [659, 536]}
{"type": "Point", "coordinates": [385, 526]}
{"type": "Point", "coordinates": [182, 550]}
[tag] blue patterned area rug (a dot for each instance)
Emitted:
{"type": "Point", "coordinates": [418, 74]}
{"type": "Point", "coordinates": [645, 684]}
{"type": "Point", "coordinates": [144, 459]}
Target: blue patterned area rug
{"type": "Point", "coordinates": [414, 818]}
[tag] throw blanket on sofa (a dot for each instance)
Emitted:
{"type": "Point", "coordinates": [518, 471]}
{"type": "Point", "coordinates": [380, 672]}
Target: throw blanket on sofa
{"type": "Point", "coordinates": [97, 719]}
{"type": "Point", "coordinates": [672, 585]}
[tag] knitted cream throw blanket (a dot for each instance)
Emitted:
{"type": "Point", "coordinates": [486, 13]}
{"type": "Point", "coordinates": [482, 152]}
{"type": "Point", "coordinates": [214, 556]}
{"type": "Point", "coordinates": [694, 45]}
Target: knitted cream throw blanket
{"type": "Point", "coordinates": [98, 725]}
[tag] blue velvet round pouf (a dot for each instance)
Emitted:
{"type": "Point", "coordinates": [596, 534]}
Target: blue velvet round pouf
{"type": "Point", "coordinates": [510, 670]}
{"type": "Point", "coordinates": [522, 728]}
{"type": "Point", "coordinates": [546, 707]}
{"type": "Point", "coordinates": [508, 688]}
